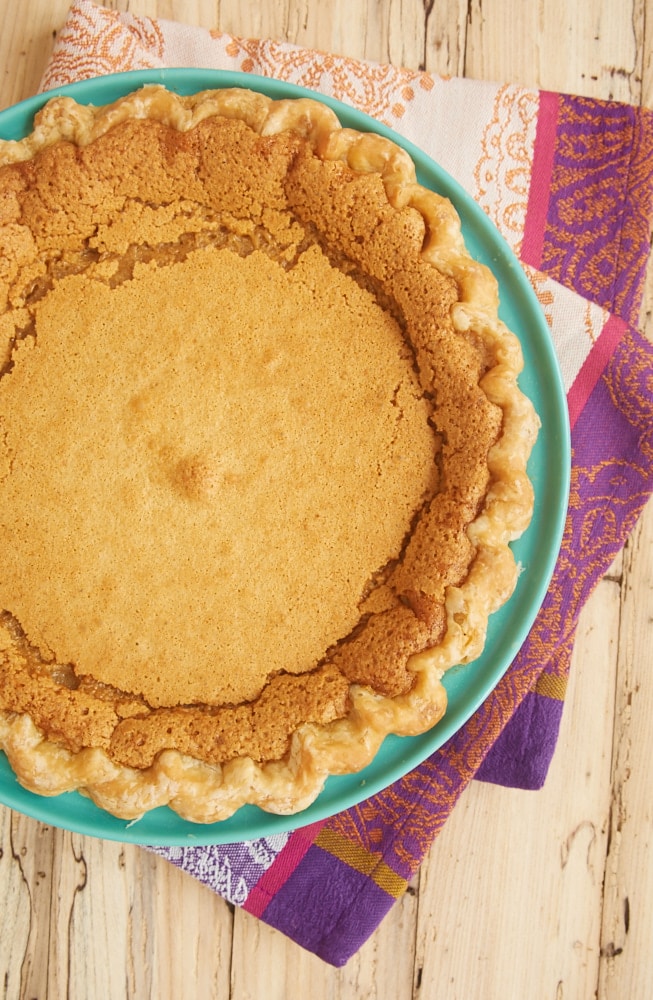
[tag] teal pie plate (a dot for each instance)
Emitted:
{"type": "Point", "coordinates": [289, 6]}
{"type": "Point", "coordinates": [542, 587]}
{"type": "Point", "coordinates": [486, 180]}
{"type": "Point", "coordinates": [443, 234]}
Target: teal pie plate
{"type": "Point", "coordinates": [536, 551]}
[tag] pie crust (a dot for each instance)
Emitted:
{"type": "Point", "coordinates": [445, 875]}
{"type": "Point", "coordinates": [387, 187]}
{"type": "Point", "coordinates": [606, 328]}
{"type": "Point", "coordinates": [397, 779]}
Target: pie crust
{"type": "Point", "coordinates": [262, 451]}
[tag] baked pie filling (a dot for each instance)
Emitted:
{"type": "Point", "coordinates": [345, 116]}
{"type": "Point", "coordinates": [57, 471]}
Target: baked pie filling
{"type": "Point", "coordinates": [262, 451]}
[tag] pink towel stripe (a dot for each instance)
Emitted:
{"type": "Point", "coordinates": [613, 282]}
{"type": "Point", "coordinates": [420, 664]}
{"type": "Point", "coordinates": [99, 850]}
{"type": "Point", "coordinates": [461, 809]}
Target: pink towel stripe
{"type": "Point", "coordinates": [538, 199]}
{"type": "Point", "coordinates": [594, 364]}
{"type": "Point", "coordinates": [282, 868]}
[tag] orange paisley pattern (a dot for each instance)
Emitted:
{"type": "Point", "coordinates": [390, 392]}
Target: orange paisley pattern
{"type": "Point", "coordinates": [95, 41]}
{"type": "Point", "coordinates": [381, 91]}
{"type": "Point", "coordinates": [503, 172]}
{"type": "Point", "coordinates": [598, 223]}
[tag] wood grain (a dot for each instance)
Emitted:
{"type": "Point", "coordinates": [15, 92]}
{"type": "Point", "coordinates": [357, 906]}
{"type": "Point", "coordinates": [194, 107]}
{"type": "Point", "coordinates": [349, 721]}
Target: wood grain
{"type": "Point", "coordinates": [627, 928]}
{"type": "Point", "coordinates": [545, 895]}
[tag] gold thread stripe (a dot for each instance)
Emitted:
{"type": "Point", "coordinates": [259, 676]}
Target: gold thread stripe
{"type": "Point", "coordinates": [551, 686]}
{"type": "Point", "coordinates": [362, 861]}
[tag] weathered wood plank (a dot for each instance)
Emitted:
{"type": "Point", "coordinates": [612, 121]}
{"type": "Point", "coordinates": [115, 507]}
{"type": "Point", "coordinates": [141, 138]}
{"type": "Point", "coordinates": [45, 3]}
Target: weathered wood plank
{"type": "Point", "coordinates": [18, 915]}
{"type": "Point", "coordinates": [446, 38]}
{"type": "Point", "coordinates": [25, 44]}
{"type": "Point", "coordinates": [590, 49]}
{"type": "Point", "coordinates": [626, 969]}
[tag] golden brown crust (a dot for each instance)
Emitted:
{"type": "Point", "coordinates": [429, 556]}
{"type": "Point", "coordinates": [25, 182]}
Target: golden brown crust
{"type": "Point", "coordinates": [158, 198]}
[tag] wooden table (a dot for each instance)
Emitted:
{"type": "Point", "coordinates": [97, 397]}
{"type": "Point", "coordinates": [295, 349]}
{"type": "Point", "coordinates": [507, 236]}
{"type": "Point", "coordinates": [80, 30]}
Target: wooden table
{"type": "Point", "coordinates": [541, 895]}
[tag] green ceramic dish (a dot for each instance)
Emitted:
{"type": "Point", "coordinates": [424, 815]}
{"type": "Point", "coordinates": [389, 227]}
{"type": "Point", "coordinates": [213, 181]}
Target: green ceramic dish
{"type": "Point", "coordinates": [537, 550]}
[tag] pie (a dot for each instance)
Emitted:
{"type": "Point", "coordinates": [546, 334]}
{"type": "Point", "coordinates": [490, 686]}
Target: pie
{"type": "Point", "coordinates": [262, 451]}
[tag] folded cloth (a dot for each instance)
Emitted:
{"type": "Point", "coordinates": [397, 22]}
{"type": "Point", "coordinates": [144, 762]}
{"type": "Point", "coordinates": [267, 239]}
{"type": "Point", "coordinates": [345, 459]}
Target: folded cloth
{"type": "Point", "coordinates": [569, 183]}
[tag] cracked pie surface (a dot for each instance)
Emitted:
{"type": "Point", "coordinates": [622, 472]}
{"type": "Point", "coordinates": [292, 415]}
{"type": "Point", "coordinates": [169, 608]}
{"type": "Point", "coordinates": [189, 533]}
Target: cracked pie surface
{"type": "Point", "coordinates": [262, 451]}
